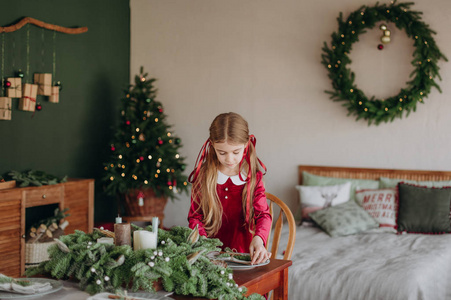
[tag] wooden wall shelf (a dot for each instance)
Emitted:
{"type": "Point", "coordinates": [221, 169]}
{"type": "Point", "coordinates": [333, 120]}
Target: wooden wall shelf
{"type": "Point", "coordinates": [28, 20]}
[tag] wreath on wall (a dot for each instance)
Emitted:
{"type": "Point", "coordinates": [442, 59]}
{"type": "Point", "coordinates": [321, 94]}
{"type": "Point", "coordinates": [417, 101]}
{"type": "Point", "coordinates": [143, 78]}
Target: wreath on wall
{"type": "Point", "coordinates": [425, 58]}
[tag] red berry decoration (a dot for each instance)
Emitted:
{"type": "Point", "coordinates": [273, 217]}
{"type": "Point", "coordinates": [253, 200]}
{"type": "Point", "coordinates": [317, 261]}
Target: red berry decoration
{"type": "Point", "coordinates": [380, 46]}
{"type": "Point", "coordinates": [38, 106]}
{"type": "Point", "coordinates": [8, 83]}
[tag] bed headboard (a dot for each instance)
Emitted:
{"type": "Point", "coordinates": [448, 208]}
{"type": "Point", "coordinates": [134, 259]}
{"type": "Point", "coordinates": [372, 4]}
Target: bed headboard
{"type": "Point", "coordinates": [368, 173]}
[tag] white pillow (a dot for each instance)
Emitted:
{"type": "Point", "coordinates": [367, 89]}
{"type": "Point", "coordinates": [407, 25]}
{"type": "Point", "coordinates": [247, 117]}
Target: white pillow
{"type": "Point", "coordinates": [314, 198]}
{"type": "Point", "coordinates": [381, 204]}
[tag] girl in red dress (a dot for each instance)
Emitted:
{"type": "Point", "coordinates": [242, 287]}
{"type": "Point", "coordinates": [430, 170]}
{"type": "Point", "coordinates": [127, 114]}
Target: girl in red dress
{"type": "Point", "coordinates": [228, 199]}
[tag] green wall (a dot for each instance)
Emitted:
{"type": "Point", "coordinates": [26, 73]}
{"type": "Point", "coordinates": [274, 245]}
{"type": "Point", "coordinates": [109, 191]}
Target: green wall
{"type": "Point", "coordinates": [71, 137]}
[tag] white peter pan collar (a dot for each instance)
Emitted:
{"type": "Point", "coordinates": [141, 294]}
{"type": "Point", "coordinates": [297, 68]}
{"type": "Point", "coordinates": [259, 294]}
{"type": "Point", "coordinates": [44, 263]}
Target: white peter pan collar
{"type": "Point", "coordinates": [222, 178]}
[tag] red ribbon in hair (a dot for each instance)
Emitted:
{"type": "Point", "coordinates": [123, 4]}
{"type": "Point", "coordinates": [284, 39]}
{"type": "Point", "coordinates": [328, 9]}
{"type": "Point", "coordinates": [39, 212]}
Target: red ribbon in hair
{"type": "Point", "coordinates": [246, 157]}
{"type": "Point", "coordinates": [200, 159]}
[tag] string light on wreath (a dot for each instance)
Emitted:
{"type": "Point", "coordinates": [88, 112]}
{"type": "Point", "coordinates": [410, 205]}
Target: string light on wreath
{"type": "Point", "coordinates": [425, 59]}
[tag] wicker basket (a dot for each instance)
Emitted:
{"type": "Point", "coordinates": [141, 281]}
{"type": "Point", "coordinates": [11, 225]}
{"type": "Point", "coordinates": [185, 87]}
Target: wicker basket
{"type": "Point", "coordinates": [151, 204]}
{"type": "Point", "coordinates": [36, 253]}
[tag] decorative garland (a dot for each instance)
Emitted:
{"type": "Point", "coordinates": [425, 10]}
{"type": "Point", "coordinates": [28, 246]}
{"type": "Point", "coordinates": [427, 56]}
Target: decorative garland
{"type": "Point", "coordinates": [179, 263]}
{"type": "Point", "coordinates": [426, 56]}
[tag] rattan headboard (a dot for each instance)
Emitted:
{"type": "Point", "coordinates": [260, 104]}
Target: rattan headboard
{"type": "Point", "coordinates": [366, 173]}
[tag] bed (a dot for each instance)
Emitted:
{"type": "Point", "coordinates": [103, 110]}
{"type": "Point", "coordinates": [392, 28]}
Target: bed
{"type": "Point", "coordinates": [371, 265]}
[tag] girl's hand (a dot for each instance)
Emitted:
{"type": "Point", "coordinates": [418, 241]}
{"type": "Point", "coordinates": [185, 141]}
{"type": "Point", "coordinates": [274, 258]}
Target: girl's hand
{"type": "Point", "coordinates": [258, 251]}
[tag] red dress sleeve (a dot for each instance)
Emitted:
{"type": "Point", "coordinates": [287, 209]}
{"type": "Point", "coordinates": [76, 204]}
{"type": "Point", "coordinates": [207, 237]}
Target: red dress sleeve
{"type": "Point", "coordinates": [195, 217]}
{"type": "Point", "coordinates": [262, 218]}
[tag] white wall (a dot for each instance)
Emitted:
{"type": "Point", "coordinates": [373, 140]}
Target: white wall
{"type": "Point", "coordinates": [261, 58]}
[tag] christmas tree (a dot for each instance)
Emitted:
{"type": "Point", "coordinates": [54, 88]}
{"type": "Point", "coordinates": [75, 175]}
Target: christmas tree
{"type": "Point", "coordinates": [144, 151]}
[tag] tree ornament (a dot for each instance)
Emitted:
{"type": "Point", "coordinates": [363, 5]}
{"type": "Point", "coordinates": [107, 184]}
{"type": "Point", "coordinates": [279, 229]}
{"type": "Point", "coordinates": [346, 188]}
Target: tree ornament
{"type": "Point", "coordinates": [127, 122]}
{"type": "Point", "coordinates": [113, 148]}
{"type": "Point", "coordinates": [425, 59]}
{"type": "Point", "coordinates": [38, 106]}
{"type": "Point", "coordinates": [141, 137]}
{"type": "Point", "coordinates": [385, 38]}
{"type": "Point", "coordinates": [160, 142]}
{"type": "Point", "coordinates": [8, 83]}
{"type": "Point", "coordinates": [59, 84]}
{"type": "Point", "coordinates": [19, 74]}
{"type": "Point", "coordinates": [177, 141]}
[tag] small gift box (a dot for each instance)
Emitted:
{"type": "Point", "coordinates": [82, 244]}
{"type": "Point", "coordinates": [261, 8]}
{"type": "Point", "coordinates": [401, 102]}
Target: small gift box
{"type": "Point", "coordinates": [55, 97]}
{"type": "Point", "coordinates": [44, 82]}
{"type": "Point", "coordinates": [28, 100]}
{"type": "Point", "coordinates": [15, 90]}
{"type": "Point", "coordinates": [5, 108]}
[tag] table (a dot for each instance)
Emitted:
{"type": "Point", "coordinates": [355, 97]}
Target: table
{"type": "Point", "coordinates": [261, 280]}
{"type": "Point", "coordinates": [273, 276]}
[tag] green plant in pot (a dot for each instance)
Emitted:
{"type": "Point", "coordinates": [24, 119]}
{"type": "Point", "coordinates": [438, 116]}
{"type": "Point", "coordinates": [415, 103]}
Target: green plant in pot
{"type": "Point", "coordinates": [145, 167]}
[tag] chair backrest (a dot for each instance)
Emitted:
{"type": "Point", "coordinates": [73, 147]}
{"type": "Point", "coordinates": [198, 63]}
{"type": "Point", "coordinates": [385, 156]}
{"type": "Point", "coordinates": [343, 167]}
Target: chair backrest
{"type": "Point", "coordinates": [284, 210]}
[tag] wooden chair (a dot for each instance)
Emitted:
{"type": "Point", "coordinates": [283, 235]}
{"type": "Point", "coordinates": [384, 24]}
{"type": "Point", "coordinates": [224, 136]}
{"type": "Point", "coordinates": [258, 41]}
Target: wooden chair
{"type": "Point", "coordinates": [284, 210]}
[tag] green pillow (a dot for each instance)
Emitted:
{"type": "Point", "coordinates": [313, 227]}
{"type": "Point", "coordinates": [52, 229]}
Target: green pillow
{"type": "Point", "coordinates": [343, 219]}
{"type": "Point", "coordinates": [423, 210]}
{"type": "Point", "coordinates": [385, 182]}
{"type": "Point", "coordinates": [310, 179]}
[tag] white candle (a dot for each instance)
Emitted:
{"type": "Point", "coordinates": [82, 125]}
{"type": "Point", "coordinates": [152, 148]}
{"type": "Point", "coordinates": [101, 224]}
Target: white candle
{"type": "Point", "coordinates": [136, 242]}
{"type": "Point", "coordinates": [118, 220]}
{"type": "Point", "coordinates": [105, 240]}
{"type": "Point", "coordinates": [155, 223]}
{"type": "Point", "coordinates": [143, 239]}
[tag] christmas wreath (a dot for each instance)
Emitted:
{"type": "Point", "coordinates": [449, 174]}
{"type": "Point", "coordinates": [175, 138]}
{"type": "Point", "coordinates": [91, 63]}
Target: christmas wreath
{"type": "Point", "coordinates": [179, 263]}
{"type": "Point", "coordinates": [425, 58]}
